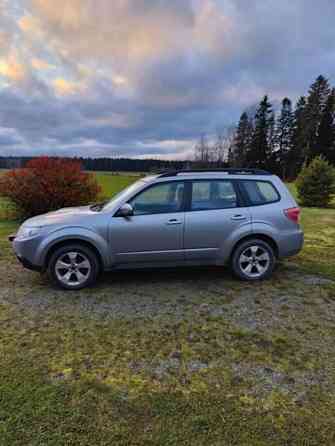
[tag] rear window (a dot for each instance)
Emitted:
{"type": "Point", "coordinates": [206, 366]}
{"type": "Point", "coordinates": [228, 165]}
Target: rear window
{"type": "Point", "coordinates": [260, 192]}
{"type": "Point", "coordinates": [213, 194]}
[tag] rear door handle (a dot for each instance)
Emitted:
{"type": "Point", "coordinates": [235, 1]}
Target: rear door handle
{"type": "Point", "coordinates": [238, 217]}
{"type": "Point", "coordinates": [174, 221]}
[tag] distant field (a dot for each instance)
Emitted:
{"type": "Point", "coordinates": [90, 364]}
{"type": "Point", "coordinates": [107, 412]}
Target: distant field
{"type": "Point", "coordinates": [111, 182]}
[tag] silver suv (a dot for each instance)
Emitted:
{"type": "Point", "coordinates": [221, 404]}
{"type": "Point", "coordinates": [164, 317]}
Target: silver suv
{"type": "Point", "coordinates": [245, 218]}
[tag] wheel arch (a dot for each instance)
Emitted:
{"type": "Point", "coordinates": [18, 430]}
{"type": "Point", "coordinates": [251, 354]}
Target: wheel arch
{"type": "Point", "coordinates": [258, 236]}
{"type": "Point", "coordinates": [73, 241]}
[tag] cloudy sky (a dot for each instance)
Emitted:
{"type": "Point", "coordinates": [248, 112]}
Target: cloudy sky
{"type": "Point", "coordinates": [147, 77]}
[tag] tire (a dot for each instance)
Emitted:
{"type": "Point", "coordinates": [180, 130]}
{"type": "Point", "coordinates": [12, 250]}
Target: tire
{"type": "Point", "coordinates": [253, 260]}
{"type": "Point", "coordinates": [73, 267]}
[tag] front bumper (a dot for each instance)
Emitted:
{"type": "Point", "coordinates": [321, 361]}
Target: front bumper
{"type": "Point", "coordinates": [27, 264]}
{"type": "Point", "coordinates": [21, 248]}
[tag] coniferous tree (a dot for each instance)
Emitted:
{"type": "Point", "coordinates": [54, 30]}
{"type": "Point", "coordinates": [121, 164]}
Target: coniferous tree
{"type": "Point", "coordinates": [325, 144]}
{"type": "Point", "coordinates": [242, 141]}
{"type": "Point", "coordinates": [261, 146]}
{"type": "Point", "coordinates": [272, 162]}
{"type": "Point", "coordinates": [316, 102]}
{"type": "Point", "coordinates": [284, 134]}
{"type": "Point", "coordinates": [316, 183]}
{"type": "Point", "coordinates": [296, 154]}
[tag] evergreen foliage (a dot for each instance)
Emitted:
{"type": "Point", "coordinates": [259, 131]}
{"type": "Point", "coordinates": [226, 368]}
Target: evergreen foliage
{"type": "Point", "coordinates": [295, 155]}
{"type": "Point", "coordinates": [326, 134]}
{"type": "Point", "coordinates": [284, 133]}
{"type": "Point", "coordinates": [314, 110]}
{"type": "Point", "coordinates": [262, 139]}
{"type": "Point", "coordinates": [284, 143]}
{"type": "Point", "coordinates": [242, 142]}
{"type": "Point", "coordinates": [316, 183]}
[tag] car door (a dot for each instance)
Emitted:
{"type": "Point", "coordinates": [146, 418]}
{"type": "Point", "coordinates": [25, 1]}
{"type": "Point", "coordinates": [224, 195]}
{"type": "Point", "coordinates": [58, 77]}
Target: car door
{"type": "Point", "coordinates": [155, 232]}
{"type": "Point", "coordinates": [215, 214]}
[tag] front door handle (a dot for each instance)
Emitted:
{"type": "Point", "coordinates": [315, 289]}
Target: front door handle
{"type": "Point", "coordinates": [174, 221]}
{"type": "Point", "coordinates": [238, 217]}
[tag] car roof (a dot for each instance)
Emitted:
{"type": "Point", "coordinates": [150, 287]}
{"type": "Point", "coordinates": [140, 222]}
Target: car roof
{"type": "Point", "coordinates": [254, 174]}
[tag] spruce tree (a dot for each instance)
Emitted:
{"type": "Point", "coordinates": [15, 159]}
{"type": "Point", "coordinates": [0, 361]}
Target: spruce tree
{"type": "Point", "coordinates": [316, 103]}
{"type": "Point", "coordinates": [295, 156]}
{"type": "Point", "coordinates": [284, 134]}
{"type": "Point", "coordinates": [259, 154]}
{"type": "Point", "coordinates": [242, 141]}
{"type": "Point", "coordinates": [325, 144]}
{"type": "Point", "coordinates": [316, 183]}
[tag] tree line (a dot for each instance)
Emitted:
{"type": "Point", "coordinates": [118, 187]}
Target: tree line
{"type": "Point", "coordinates": [107, 164]}
{"type": "Point", "coordinates": [284, 142]}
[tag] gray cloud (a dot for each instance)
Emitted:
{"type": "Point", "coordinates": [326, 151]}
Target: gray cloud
{"type": "Point", "coordinates": [148, 77]}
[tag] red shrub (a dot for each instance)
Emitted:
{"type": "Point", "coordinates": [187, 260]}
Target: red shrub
{"type": "Point", "coordinates": [47, 184]}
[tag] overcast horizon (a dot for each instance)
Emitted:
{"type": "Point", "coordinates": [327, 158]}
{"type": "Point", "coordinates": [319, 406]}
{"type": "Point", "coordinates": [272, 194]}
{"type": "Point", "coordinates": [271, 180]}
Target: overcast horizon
{"type": "Point", "coordinates": [140, 78]}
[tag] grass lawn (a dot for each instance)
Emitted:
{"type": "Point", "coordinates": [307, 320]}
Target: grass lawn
{"type": "Point", "coordinates": [112, 183]}
{"type": "Point", "coordinates": [176, 357]}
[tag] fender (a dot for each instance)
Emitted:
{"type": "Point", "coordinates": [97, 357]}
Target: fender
{"type": "Point", "coordinates": [243, 232]}
{"type": "Point", "coordinates": [73, 233]}
{"type": "Point", "coordinates": [230, 242]}
{"type": "Point", "coordinates": [289, 242]}
{"type": "Point", "coordinates": [264, 228]}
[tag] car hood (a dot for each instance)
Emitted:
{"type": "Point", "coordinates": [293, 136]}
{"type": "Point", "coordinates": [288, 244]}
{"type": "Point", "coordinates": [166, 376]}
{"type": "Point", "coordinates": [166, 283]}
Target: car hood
{"type": "Point", "coordinates": [71, 215]}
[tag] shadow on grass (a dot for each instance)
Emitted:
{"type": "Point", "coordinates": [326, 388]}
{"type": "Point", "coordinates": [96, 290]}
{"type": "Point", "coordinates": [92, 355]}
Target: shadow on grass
{"type": "Point", "coordinates": [154, 275]}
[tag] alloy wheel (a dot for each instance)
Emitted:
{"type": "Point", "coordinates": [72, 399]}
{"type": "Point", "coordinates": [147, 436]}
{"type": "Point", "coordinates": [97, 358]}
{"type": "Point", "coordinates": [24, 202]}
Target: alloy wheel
{"type": "Point", "coordinates": [254, 261]}
{"type": "Point", "coordinates": [73, 268]}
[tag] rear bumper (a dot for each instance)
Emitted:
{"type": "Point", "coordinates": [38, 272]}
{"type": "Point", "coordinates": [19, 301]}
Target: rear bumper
{"type": "Point", "coordinates": [291, 244]}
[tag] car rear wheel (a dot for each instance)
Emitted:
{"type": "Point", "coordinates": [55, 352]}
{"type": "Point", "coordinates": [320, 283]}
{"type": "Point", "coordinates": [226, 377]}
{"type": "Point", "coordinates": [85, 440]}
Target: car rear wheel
{"type": "Point", "coordinates": [73, 267]}
{"type": "Point", "coordinates": [253, 260]}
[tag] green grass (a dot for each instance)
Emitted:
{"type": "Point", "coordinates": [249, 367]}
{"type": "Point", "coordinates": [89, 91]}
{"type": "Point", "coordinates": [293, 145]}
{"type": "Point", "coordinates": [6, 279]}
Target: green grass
{"type": "Point", "coordinates": [112, 183]}
{"type": "Point", "coordinates": [319, 228]}
{"type": "Point", "coordinates": [76, 371]}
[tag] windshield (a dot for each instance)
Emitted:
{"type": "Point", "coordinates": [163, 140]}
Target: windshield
{"type": "Point", "coordinates": [124, 193]}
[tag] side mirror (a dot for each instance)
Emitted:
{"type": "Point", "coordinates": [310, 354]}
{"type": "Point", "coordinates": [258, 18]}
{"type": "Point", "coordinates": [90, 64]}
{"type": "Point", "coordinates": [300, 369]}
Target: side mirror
{"type": "Point", "coordinates": [126, 210]}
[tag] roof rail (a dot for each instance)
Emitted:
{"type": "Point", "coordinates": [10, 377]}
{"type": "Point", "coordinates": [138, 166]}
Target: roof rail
{"type": "Point", "coordinates": [230, 171]}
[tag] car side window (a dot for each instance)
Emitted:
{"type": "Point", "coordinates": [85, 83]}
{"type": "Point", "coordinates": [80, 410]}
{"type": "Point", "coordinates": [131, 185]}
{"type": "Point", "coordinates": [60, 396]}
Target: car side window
{"type": "Point", "coordinates": [213, 194]}
{"type": "Point", "coordinates": [159, 199]}
{"type": "Point", "coordinates": [260, 192]}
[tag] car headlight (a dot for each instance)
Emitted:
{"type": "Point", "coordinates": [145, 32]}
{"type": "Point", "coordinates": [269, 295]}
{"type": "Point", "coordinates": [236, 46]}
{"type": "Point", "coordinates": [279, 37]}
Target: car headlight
{"type": "Point", "coordinates": [28, 232]}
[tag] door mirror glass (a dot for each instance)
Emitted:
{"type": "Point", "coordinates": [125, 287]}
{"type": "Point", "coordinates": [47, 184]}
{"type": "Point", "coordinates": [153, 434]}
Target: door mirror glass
{"type": "Point", "coordinates": [126, 210]}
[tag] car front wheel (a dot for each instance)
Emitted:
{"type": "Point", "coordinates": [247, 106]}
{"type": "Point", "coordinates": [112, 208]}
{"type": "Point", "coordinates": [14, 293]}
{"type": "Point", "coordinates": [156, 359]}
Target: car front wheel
{"type": "Point", "coordinates": [253, 260]}
{"type": "Point", "coordinates": [73, 267]}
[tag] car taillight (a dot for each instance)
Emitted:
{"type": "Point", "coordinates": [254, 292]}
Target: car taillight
{"type": "Point", "coordinates": [293, 214]}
